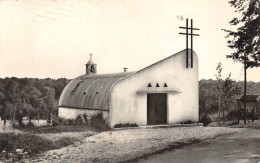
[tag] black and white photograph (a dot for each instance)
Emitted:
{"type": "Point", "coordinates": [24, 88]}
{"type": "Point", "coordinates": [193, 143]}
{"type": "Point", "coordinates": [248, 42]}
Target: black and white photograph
{"type": "Point", "coordinates": [120, 81]}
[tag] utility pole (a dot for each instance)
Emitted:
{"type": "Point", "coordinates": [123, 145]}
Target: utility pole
{"type": "Point", "coordinates": [245, 67]}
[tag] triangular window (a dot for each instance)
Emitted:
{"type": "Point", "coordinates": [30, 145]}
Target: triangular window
{"type": "Point", "coordinates": [157, 85]}
{"type": "Point", "coordinates": [165, 85]}
{"type": "Point", "coordinates": [149, 85]}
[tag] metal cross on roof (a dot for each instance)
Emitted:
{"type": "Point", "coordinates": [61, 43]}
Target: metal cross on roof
{"type": "Point", "coordinates": [187, 39]}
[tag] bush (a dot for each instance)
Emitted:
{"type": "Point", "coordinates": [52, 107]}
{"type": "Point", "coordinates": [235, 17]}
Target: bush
{"type": "Point", "coordinates": [97, 121]}
{"type": "Point", "coordinates": [72, 121]}
{"type": "Point", "coordinates": [30, 124]}
{"type": "Point", "coordinates": [125, 125]}
{"type": "Point", "coordinates": [206, 120]}
{"type": "Point", "coordinates": [234, 114]}
{"type": "Point", "coordinates": [188, 122]}
{"type": "Point", "coordinates": [80, 119]}
{"type": "Point", "coordinates": [35, 144]}
{"type": "Point", "coordinates": [55, 122]}
{"type": "Point", "coordinates": [64, 141]}
{"type": "Point", "coordinates": [25, 145]}
{"type": "Point", "coordinates": [233, 123]}
{"type": "Point", "coordinates": [85, 116]}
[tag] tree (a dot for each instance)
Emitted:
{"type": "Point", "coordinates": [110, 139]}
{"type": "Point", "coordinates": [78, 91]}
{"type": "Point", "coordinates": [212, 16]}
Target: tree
{"type": "Point", "coordinates": [23, 106]}
{"type": "Point", "coordinates": [36, 102]}
{"type": "Point", "coordinates": [59, 86]}
{"type": "Point", "coordinates": [219, 79]}
{"type": "Point", "coordinates": [11, 99]}
{"type": "Point", "coordinates": [245, 40]}
{"type": "Point", "coordinates": [227, 92]}
{"type": "Point", "coordinates": [29, 97]}
{"type": "Point", "coordinates": [3, 110]}
{"type": "Point", "coordinates": [207, 98]}
{"type": "Point", "coordinates": [49, 99]}
{"type": "Point", "coordinates": [230, 91]}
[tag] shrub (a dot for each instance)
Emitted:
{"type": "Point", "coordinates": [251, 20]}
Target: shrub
{"type": "Point", "coordinates": [35, 144]}
{"type": "Point", "coordinates": [206, 120]}
{"type": "Point", "coordinates": [234, 114]}
{"type": "Point", "coordinates": [233, 123]}
{"type": "Point", "coordinates": [64, 141]}
{"type": "Point", "coordinates": [71, 121]}
{"type": "Point", "coordinates": [79, 120]}
{"type": "Point", "coordinates": [55, 122]}
{"type": "Point", "coordinates": [188, 122]}
{"type": "Point", "coordinates": [125, 125]}
{"type": "Point", "coordinates": [85, 116]}
{"type": "Point", "coordinates": [30, 124]}
{"type": "Point", "coordinates": [97, 121]}
{"type": "Point", "coordinates": [25, 144]}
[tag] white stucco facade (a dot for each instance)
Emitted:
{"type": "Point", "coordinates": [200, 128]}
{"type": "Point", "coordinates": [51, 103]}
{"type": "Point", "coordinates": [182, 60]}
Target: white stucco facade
{"type": "Point", "coordinates": [123, 98]}
{"type": "Point", "coordinates": [72, 113]}
{"type": "Point", "coordinates": [129, 96]}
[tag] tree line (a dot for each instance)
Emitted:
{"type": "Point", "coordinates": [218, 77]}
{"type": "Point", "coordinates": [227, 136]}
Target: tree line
{"type": "Point", "coordinates": [230, 92]}
{"type": "Point", "coordinates": [29, 97]}
{"type": "Point", "coordinates": [38, 98]}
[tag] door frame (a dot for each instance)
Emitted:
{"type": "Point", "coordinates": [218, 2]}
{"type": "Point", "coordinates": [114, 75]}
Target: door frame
{"type": "Point", "coordinates": [166, 109]}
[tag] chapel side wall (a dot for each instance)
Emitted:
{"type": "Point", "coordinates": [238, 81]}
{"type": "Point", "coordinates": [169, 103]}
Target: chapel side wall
{"type": "Point", "coordinates": [72, 113]}
{"type": "Point", "coordinates": [129, 106]}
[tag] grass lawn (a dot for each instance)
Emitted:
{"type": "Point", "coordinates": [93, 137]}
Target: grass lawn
{"type": "Point", "coordinates": [38, 139]}
{"type": "Point", "coordinates": [233, 124]}
{"type": "Point", "coordinates": [31, 143]}
{"type": "Point", "coordinates": [56, 129]}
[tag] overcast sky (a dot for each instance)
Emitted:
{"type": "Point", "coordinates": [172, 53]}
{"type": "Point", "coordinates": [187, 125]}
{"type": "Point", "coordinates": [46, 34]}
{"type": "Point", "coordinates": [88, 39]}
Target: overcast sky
{"type": "Point", "coordinates": [53, 38]}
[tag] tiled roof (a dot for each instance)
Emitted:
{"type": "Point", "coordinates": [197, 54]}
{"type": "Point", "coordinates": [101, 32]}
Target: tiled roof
{"type": "Point", "coordinates": [250, 98]}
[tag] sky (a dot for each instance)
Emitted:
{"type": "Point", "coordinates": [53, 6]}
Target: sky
{"type": "Point", "coordinates": [53, 38]}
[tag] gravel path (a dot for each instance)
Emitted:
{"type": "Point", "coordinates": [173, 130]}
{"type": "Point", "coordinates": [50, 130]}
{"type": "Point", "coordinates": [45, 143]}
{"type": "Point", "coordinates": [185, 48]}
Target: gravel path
{"type": "Point", "coordinates": [123, 145]}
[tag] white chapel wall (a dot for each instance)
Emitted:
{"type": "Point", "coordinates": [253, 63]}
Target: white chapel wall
{"type": "Point", "coordinates": [129, 106]}
{"type": "Point", "coordinates": [72, 113]}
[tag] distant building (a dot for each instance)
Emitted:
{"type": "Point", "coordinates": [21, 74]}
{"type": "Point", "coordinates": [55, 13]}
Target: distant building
{"type": "Point", "coordinates": [252, 102]}
{"type": "Point", "coordinates": [165, 92]}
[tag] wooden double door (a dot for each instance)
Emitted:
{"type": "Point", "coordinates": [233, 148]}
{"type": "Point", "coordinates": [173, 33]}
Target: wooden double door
{"type": "Point", "coordinates": [156, 108]}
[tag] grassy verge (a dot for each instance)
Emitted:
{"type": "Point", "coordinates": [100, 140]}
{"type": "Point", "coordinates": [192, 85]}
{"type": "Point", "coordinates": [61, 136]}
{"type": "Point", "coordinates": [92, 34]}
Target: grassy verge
{"type": "Point", "coordinates": [254, 125]}
{"type": "Point", "coordinates": [233, 124]}
{"type": "Point", "coordinates": [30, 143]}
{"type": "Point", "coordinates": [56, 129]}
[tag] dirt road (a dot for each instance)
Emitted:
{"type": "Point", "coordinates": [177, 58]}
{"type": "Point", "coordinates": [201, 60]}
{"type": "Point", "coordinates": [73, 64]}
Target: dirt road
{"type": "Point", "coordinates": [238, 148]}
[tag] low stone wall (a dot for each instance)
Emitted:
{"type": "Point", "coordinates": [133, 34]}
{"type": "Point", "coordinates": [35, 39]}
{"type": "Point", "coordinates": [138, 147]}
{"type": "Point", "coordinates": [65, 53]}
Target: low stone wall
{"type": "Point", "coordinates": [72, 113]}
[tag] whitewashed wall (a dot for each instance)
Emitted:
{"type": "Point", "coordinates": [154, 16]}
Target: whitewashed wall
{"type": "Point", "coordinates": [129, 106]}
{"type": "Point", "coordinates": [72, 113]}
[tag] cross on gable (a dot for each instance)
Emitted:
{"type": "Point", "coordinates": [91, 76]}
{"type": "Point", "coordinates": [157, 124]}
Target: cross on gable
{"type": "Point", "coordinates": [187, 38]}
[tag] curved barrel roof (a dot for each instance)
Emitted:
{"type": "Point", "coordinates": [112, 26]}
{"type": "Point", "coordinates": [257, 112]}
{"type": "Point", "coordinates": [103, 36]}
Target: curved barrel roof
{"type": "Point", "coordinates": [90, 91]}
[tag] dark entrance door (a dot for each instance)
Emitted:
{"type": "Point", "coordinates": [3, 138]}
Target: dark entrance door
{"type": "Point", "coordinates": [156, 108]}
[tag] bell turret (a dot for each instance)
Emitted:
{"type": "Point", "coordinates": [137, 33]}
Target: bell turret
{"type": "Point", "coordinates": [91, 67]}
